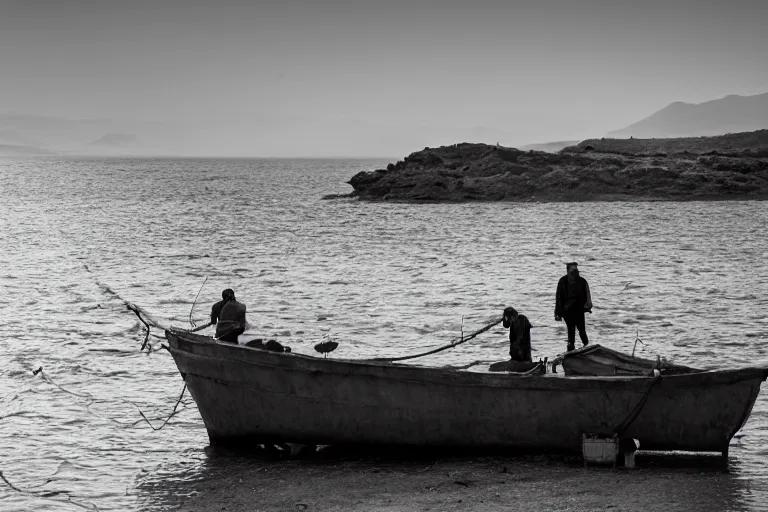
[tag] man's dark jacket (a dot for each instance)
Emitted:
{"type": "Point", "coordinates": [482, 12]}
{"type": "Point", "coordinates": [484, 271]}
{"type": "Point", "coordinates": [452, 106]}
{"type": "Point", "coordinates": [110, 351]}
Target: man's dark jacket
{"type": "Point", "coordinates": [519, 338]}
{"type": "Point", "coordinates": [572, 298]}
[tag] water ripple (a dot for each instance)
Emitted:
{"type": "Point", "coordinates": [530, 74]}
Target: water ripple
{"type": "Point", "coordinates": [383, 279]}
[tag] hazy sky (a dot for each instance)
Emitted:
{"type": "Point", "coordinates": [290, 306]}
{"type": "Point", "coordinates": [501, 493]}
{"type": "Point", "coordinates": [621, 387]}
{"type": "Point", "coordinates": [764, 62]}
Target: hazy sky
{"type": "Point", "coordinates": [321, 78]}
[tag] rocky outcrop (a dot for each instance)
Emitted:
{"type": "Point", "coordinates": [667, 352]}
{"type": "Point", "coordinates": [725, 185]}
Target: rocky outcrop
{"type": "Point", "coordinates": [550, 147]}
{"type": "Point", "coordinates": [754, 144]}
{"type": "Point", "coordinates": [607, 169]}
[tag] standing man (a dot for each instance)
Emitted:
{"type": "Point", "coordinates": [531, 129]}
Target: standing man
{"type": "Point", "coordinates": [571, 301]}
{"type": "Point", "coordinates": [228, 316]}
{"type": "Point", "coordinates": [519, 335]}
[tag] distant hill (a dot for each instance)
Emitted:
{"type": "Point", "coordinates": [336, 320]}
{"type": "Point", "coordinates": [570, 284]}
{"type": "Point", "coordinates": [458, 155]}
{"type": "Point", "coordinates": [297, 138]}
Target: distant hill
{"type": "Point", "coordinates": [14, 138]}
{"type": "Point", "coordinates": [717, 117]}
{"type": "Point", "coordinates": [53, 133]}
{"type": "Point", "coordinates": [79, 136]}
{"type": "Point", "coordinates": [115, 139]}
{"type": "Point", "coordinates": [549, 147]}
{"type": "Point", "coordinates": [20, 150]}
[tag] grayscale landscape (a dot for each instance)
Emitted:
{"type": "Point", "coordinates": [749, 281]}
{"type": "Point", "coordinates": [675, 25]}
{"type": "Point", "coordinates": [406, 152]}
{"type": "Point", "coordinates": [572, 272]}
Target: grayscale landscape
{"type": "Point", "coordinates": [396, 194]}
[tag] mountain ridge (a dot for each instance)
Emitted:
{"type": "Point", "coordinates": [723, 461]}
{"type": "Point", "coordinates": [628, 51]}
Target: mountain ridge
{"type": "Point", "coordinates": [730, 114]}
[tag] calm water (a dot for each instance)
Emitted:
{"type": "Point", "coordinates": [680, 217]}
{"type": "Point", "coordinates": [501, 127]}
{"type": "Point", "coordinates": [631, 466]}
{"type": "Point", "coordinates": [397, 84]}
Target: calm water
{"type": "Point", "coordinates": [382, 279]}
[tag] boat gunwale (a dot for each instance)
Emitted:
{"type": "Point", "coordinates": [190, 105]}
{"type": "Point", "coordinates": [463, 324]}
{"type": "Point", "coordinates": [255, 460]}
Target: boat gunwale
{"type": "Point", "coordinates": [423, 374]}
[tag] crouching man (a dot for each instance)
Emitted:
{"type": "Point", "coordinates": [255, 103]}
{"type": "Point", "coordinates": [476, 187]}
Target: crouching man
{"type": "Point", "coordinates": [519, 335]}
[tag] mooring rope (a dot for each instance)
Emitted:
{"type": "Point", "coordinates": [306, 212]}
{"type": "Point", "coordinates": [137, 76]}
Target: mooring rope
{"type": "Point", "coordinates": [49, 495]}
{"type": "Point", "coordinates": [461, 339]}
{"type": "Point", "coordinates": [93, 399]}
{"type": "Point", "coordinates": [142, 314]}
{"type": "Point", "coordinates": [149, 321]}
{"type": "Point", "coordinates": [65, 496]}
{"type": "Point", "coordinates": [173, 413]}
{"type": "Point", "coordinates": [635, 412]}
{"type": "Point", "coordinates": [145, 317]}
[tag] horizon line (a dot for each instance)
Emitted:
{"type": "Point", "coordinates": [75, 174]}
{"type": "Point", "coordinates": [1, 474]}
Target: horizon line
{"type": "Point", "coordinates": [199, 157]}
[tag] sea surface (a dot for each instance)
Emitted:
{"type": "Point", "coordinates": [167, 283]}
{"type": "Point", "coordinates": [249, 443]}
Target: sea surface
{"type": "Point", "coordinates": [77, 237]}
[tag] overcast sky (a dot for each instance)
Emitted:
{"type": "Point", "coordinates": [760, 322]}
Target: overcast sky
{"type": "Point", "coordinates": [383, 78]}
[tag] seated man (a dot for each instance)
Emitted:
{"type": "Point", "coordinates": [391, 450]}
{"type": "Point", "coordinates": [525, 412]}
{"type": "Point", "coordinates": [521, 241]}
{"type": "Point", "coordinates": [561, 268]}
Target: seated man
{"type": "Point", "coordinates": [216, 309]}
{"type": "Point", "coordinates": [519, 335]}
{"type": "Point", "coordinates": [229, 317]}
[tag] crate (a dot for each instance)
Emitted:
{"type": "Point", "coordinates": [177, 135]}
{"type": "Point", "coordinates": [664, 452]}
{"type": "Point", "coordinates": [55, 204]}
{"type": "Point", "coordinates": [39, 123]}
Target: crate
{"type": "Point", "coordinates": [599, 449]}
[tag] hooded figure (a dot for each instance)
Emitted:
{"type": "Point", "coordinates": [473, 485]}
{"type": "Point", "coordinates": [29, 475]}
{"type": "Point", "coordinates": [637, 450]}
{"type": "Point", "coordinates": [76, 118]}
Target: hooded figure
{"type": "Point", "coordinates": [226, 295]}
{"type": "Point", "coordinates": [229, 317]}
{"type": "Point", "coordinates": [572, 300]}
{"type": "Point", "coordinates": [519, 335]}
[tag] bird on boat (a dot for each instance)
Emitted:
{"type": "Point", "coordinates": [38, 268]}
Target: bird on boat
{"type": "Point", "coordinates": [325, 347]}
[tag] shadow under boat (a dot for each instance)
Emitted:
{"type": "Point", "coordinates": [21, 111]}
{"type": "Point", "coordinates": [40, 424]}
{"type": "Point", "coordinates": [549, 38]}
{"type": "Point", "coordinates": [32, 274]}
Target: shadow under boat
{"type": "Point", "coordinates": [404, 454]}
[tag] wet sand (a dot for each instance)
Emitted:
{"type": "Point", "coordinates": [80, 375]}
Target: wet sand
{"type": "Point", "coordinates": [395, 482]}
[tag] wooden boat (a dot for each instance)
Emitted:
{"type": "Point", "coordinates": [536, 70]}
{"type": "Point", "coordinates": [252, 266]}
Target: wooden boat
{"type": "Point", "coordinates": [249, 395]}
{"type": "Point", "coordinates": [598, 360]}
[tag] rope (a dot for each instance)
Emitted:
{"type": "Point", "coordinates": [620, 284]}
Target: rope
{"type": "Point", "coordinates": [201, 327]}
{"type": "Point", "coordinates": [92, 399]}
{"type": "Point", "coordinates": [173, 413]}
{"type": "Point", "coordinates": [143, 315]}
{"type": "Point", "coordinates": [462, 339]}
{"type": "Point", "coordinates": [635, 412]}
{"type": "Point", "coordinates": [191, 322]}
{"type": "Point", "coordinates": [49, 495]}
{"type": "Point", "coordinates": [465, 366]}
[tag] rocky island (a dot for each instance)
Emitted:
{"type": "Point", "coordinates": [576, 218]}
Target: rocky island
{"type": "Point", "coordinates": [733, 166]}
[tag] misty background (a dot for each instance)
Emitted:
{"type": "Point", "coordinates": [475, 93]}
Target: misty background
{"type": "Point", "coordinates": [378, 79]}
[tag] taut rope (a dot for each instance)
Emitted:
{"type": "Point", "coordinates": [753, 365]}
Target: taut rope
{"type": "Point", "coordinates": [461, 339]}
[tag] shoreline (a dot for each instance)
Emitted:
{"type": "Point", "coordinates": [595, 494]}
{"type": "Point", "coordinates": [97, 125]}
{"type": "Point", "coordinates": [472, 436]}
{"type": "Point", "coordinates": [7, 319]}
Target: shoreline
{"type": "Point", "coordinates": [609, 198]}
{"type": "Point", "coordinates": [374, 481]}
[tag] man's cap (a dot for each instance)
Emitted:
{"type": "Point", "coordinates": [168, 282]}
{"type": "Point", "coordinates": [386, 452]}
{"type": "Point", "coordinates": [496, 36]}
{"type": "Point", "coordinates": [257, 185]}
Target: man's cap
{"type": "Point", "coordinates": [571, 264]}
{"type": "Point", "coordinates": [229, 293]}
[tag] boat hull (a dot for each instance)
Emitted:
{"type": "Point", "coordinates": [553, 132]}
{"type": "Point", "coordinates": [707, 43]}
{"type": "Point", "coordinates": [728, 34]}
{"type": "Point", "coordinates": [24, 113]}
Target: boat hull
{"type": "Point", "coordinates": [252, 395]}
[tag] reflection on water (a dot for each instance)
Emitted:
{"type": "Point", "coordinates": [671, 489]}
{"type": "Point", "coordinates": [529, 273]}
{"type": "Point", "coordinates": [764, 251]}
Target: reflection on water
{"type": "Point", "coordinates": [381, 279]}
